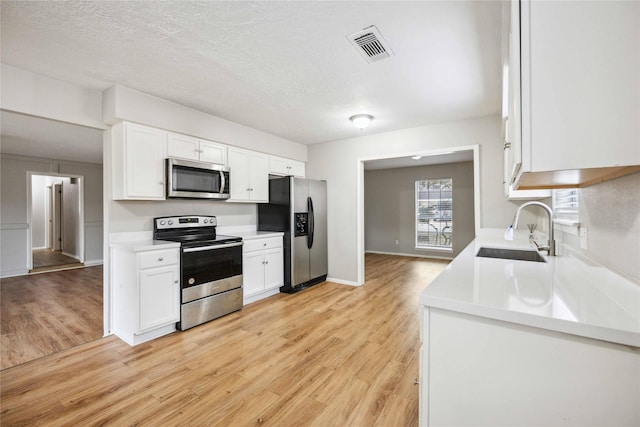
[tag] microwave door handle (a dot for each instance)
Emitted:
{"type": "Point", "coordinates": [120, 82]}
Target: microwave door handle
{"type": "Point", "coordinates": [223, 182]}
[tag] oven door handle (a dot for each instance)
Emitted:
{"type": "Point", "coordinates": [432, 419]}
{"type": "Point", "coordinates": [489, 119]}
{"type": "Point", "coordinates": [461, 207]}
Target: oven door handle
{"type": "Point", "coordinates": [212, 247]}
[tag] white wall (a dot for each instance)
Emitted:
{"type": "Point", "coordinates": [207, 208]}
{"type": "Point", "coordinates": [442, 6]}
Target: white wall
{"type": "Point", "coordinates": [121, 103]}
{"type": "Point", "coordinates": [39, 214]}
{"type": "Point", "coordinates": [14, 216]}
{"type": "Point", "coordinates": [41, 96]}
{"type": "Point", "coordinates": [611, 214]}
{"type": "Point", "coordinates": [337, 162]}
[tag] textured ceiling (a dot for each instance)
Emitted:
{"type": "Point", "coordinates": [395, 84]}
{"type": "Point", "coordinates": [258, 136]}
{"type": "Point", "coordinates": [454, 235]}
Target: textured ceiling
{"type": "Point", "coordinates": [281, 67]}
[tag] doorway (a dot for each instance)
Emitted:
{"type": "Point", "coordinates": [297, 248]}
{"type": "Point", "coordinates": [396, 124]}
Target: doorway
{"type": "Point", "coordinates": [56, 212]}
{"type": "Point", "coordinates": [448, 155]}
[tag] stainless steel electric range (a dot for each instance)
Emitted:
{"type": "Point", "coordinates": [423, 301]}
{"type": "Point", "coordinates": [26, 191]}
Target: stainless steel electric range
{"type": "Point", "coordinates": [210, 267]}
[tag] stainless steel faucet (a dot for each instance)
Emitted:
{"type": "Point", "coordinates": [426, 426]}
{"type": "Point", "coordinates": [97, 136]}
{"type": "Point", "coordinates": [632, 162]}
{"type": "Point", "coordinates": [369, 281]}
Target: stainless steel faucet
{"type": "Point", "coordinates": [551, 245]}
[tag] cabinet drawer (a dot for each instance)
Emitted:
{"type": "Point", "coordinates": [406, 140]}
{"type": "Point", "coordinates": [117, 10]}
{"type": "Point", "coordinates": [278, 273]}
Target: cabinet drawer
{"type": "Point", "coordinates": [158, 258]}
{"type": "Point", "coordinates": [258, 244]}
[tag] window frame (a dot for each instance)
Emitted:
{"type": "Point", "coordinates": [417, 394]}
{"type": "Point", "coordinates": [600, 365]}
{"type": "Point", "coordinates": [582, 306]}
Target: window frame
{"type": "Point", "coordinates": [448, 247]}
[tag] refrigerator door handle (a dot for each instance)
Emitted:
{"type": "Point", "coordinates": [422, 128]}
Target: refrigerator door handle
{"type": "Point", "coordinates": [311, 223]}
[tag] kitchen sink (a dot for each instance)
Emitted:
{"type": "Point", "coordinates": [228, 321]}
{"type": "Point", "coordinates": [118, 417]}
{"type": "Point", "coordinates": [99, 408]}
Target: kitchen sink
{"type": "Point", "coordinates": [517, 254]}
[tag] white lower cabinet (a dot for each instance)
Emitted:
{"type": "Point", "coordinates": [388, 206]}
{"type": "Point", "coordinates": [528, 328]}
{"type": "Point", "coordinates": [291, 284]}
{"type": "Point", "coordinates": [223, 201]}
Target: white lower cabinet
{"type": "Point", "coordinates": [480, 371]}
{"type": "Point", "coordinates": [262, 268]}
{"type": "Point", "coordinates": [146, 293]}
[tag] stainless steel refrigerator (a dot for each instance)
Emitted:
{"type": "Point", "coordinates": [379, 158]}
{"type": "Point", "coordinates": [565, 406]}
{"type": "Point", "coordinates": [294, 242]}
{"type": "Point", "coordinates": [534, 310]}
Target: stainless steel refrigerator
{"type": "Point", "coordinates": [298, 207]}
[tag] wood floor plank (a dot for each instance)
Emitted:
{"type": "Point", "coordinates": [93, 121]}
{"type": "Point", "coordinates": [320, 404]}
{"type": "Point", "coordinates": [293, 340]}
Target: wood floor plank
{"type": "Point", "coordinates": [332, 355]}
{"type": "Point", "coordinates": [42, 314]}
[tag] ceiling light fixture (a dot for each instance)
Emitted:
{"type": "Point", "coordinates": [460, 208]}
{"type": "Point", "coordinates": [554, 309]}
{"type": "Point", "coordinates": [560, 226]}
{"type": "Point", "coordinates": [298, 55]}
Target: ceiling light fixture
{"type": "Point", "coordinates": [416, 157]}
{"type": "Point", "coordinates": [361, 121]}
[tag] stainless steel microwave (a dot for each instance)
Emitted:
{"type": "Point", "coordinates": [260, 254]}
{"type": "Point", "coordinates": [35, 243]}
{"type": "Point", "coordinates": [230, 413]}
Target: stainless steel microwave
{"type": "Point", "coordinates": [196, 180]}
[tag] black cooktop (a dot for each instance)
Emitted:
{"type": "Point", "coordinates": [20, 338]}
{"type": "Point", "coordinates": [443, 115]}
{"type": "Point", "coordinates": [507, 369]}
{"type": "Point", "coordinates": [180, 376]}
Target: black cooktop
{"type": "Point", "coordinates": [190, 231]}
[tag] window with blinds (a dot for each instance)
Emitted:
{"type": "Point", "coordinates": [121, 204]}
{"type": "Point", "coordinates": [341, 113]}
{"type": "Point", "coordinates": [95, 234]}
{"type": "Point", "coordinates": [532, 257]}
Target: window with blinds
{"type": "Point", "coordinates": [434, 213]}
{"type": "Point", "coordinates": [566, 204]}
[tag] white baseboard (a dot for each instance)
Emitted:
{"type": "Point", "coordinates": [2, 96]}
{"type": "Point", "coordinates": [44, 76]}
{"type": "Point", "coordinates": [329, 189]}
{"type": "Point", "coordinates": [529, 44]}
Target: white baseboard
{"type": "Point", "coordinates": [259, 296]}
{"type": "Point", "coordinates": [93, 262]}
{"type": "Point", "coordinates": [15, 273]}
{"type": "Point", "coordinates": [342, 282]}
{"type": "Point", "coordinates": [410, 255]}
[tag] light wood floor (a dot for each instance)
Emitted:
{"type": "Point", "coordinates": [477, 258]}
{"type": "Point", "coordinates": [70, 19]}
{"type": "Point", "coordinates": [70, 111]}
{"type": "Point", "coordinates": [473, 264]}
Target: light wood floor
{"type": "Point", "coordinates": [42, 314]}
{"type": "Point", "coordinates": [332, 355]}
{"type": "Point", "coordinates": [48, 260]}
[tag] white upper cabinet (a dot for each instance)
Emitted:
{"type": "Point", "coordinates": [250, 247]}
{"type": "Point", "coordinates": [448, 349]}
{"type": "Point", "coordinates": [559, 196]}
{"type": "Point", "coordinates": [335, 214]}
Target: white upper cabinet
{"type": "Point", "coordinates": [511, 107]}
{"type": "Point", "coordinates": [138, 154]}
{"type": "Point", "coordinates": [286, 167]}
{"type": "Point", "coordinates": [580, 92]}
{"type": "Point", "coordinates": [249, 176]}
{"type": "Point", "coordinates": [190, 148]}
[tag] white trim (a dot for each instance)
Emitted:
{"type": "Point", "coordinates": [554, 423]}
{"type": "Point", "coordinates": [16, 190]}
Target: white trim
{"type": "Point", "coordinates": [409, 255]}
{"type": "Point", "coordinates": [14, 226]}
{"type": "Point", "coordinates": [260, 295]}
{"type": "Point", "coordinates": [433, 248]}
{"type": "Point", "coordinates": [477, 204]}
{"type": "Point", "coordinates": [343, 282]}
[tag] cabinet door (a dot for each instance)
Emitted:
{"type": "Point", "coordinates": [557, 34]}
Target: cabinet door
{"type": "Point", "coordinates": [278, 166]}
{"type": "Point", "coordinates": [253, 272]}
{"type": "Point", "coordinates": [297, 169]}
{"type": "Point", "coordinates": [238, 165]}
{"type": "Point", "coordinates": [144, 152]}
{"type": "Point", "coordinates": [213, 152]}
{"type": "Point", "coordinates": [513, 154]}
{"type": "Point", "coordinates": [159, 297]}
{"type": "Point", "coordinates": [182, 147]}
{"type": "Point", "coordinates": [580, 85]}
{"type": "Point", "coordinates": [273, 268]}
{"type": "Point", "coordinates": [259, 177]}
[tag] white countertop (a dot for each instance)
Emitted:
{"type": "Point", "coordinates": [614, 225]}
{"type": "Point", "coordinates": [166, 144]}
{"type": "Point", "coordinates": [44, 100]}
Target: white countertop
{"type": "Point", "coordinates": [568, 293]}
{"type": "Point", "coordinates": [248, 235]}
{"type": "Point", "coordinates": [144, 245]}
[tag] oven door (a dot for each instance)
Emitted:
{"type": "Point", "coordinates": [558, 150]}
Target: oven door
{"type": "Point", "coordinates": [209, 270]}
{"type": "Point", "coordinates": [197, 180]}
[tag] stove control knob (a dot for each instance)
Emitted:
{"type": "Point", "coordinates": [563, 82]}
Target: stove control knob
{"type": "Point", "coordinates": [192, 280]}
{"type": "Point", "coordinates": [162, 222]}
{"type": "Point", "coordinates": [170, 222]}
{"type": "Point", "coordinates": [206, 221]}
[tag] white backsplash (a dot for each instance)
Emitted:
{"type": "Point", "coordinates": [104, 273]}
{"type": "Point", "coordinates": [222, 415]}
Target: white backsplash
{"type": "Point", "coordinates": [611, 214]}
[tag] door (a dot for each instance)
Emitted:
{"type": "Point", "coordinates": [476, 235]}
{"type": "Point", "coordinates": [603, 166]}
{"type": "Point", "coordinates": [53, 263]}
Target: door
{"type": "Point", "coordinates": [71, 217]}
{"type": "Point", "coordinates": [56, 217]}
{"type": "Point", "coordinates": [159, 297]}
{"type": "Point", "coordinates": [145, 152]}
{"type": "Point", "coordinates": [299, 249]}
{"type": "Point", "coordinates": [318, 258]}
{"type": "Point", "coordinates": [273, 268]}
{"type": "Point", "coordinates": [253, 273]}
{"type": "Point", "coordinates": [238, 165]}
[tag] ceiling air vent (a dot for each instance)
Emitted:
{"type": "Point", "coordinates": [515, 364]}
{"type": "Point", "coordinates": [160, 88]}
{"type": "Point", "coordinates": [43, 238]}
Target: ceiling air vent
{"type": "Point", "coordinates": [370, 44]}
